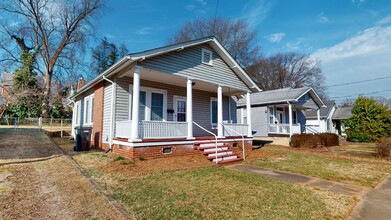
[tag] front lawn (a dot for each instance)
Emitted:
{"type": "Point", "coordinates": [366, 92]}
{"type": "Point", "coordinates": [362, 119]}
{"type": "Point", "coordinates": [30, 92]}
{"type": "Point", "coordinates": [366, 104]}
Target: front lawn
{"type": "Point", "coordinates": [326, 165]}
{"type": "Point", "coordinates": [217, 193]}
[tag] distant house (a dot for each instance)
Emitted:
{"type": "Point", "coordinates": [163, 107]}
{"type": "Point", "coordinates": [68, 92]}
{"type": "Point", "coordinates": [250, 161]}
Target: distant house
{"type": "Point", "coordinates": [169, 101]}
{"type": "Point", "coordinates": [340, 114]}
{"type": "Point", "coordinates": [280, 112]}
{"type": "Point", "coordinates": [6, 83]}
{"type": "Point", "coordinates": [331, 118]}
{"type": "Point", "coordinates": [325, 114]}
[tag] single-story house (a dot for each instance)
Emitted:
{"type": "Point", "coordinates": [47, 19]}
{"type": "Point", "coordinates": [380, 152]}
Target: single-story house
{"type": "Point", "coordinates": [340, 114]}
{"type": "Point", "coordinates": [169, 101]}
{"type": "Point", "coordinates": [325, 114]}
{"type": "Point", "coordinates": [279, 112]}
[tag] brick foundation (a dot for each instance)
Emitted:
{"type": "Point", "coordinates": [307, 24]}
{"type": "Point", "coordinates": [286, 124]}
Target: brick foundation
{"type": "Point", "coordinates": [153, 152]}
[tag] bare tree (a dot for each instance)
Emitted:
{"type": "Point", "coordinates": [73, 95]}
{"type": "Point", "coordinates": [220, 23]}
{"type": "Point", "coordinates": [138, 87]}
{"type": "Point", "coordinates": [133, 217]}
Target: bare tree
{"type": "Point", "coordinates": [288, 70]}
{"type": "Point", "coordinates": [234, 35]}
{"type": "Point", "coordinates": [56, 27]}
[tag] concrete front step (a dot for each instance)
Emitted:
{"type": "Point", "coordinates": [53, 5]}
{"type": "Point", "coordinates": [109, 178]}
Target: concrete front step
{"type": "Point", "coordinates": [225, 153]}
{"type": "Point", "coordinates": [220, 156]}
{"type": "Point", "coordinates": [230, 161]}
{"type": "Point", "coordinates": [213, 150]}
{"type": "Point", "coordinates": [209, 145]}
{"type": "Point", "coordinates": [225, 158]}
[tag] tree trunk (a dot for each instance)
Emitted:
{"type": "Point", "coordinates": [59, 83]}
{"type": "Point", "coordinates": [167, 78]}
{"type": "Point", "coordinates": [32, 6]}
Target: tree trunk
{"type": "Point", "coordinates": [47, 92]}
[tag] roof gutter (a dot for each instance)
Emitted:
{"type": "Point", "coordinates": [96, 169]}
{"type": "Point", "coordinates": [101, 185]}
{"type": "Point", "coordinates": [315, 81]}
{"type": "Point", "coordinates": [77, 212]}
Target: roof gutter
{"type": "Point", "coordinates": [101, 77]}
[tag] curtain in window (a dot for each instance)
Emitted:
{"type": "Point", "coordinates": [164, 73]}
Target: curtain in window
{"type": "Point", "coordinates": [156, 107]}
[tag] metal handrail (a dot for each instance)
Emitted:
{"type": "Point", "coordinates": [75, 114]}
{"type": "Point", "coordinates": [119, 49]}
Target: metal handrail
{"type": "Point", "coordinates": [244, 156]}
{"type": "Point", "coordinates": [211, 134]}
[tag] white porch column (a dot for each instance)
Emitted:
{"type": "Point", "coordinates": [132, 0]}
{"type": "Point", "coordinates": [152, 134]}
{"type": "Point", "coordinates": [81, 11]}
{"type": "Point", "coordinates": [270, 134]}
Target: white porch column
{"type": "Point", "coordinates": [290, 119]}
{"type": "Point", "coordinates": [220, 132]}
{"type": "Point", "coordinates": [135, 103]}
{"type": "Point", "coordinates": [318, 115]}
{"type": "Point", "coordinates": [249, 121]}
{"type": "Point", "coordinates": [189, 109]}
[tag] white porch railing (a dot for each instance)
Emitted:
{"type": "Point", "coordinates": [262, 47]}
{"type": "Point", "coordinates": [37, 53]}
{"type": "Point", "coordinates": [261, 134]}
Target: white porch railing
{"type": "Point", "coordinates": [153, 129]}
{"type": "Point", "coordinates": [312, 129]}
{"type": "Point", "coordinates": [235, 129]}
{"type": "Point", "coordinates": [231, 128]}
{"type": "Point", "coordinates": [162, 129]}
{"type": "Point", "coordinates": [284, 129]}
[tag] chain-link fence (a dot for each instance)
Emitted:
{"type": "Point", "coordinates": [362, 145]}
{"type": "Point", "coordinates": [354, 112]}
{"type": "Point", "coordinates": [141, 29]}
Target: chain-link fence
{"type": "Point", "coordinates": [58, 125]}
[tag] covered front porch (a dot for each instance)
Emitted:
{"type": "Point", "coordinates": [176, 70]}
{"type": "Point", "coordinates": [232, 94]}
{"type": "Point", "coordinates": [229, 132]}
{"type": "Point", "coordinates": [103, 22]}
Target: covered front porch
{"type": "Point", "coordinates": [288, 119]}
{"type": "Point", "coordinates": [176, 107]}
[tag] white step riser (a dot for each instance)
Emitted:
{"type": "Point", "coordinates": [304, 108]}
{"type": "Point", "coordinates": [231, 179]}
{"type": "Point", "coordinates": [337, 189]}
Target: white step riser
{"type": "Point", "coordinates": [212, 150]}
{"type": "Point", "coordinates": [221, 154]}
{"type": "Point", "coordinates": [225, 158]}
{"type": "Point", "coordinates": [202, 146]}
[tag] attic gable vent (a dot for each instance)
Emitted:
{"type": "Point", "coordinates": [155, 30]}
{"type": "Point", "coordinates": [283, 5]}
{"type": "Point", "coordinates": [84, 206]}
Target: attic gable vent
{"type": "Point", "coordinates": [206, 56]}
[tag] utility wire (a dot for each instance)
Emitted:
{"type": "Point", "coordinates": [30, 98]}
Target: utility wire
{"type": "Point", "coordinates": [361, 81]}
{"type": "Point", "coordinates": [368, 93]}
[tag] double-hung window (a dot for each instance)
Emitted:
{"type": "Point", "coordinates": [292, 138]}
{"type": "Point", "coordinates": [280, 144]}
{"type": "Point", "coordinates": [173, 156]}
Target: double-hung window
{"type": "Point", "coordinates": [88, 117]}
{"type": "Point", "coordinates": [152, 104]}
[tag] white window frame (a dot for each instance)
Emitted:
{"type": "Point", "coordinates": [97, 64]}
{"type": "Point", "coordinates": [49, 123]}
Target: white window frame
{"type": "Point", "coordinates": [90, 119]}
{"type": "Point", "coordinates": [244, 115]}
{"type": "Point", "coordinates": [203, 51]}
{"type": "Point", "coordinates": [175, 105]}
{"type": "Point", "coordinates": [213, 99]}
{"type": "Point", "coordinates": [148, 102]}
{"type": "Point", "coordinates": [77, 110]}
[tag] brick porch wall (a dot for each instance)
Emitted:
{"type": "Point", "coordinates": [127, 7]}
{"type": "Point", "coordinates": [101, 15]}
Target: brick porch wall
{"type": "Point", "coordinates": [96, 136]}
{"type": "Point", "coordinates": [154, 152]}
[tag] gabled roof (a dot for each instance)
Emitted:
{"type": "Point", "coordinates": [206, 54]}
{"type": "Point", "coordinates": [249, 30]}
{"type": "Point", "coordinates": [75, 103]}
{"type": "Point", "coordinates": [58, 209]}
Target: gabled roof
{"type": "Point", "coordinates": [134, 57]}
{"type": "Point", "coordinates": [280, 96]}
{"type": "Point", "coordinates": [324, 112]}
{"type": "Point", "coordinates": [342, 113]}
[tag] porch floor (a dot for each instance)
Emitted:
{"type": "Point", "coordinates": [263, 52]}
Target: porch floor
{"type": "Point", "coordinates": [201, 138]}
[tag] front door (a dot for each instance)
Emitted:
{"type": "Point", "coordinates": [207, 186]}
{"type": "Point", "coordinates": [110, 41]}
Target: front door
{"type": "Point", "coordinates": [180, 109]}
{"type": "Point", "coordinates": [281, 121]}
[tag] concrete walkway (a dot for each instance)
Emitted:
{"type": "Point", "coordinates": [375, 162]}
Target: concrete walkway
{"type": "Point", "coordinates": [346, 189]}
{"type": "Point", "coordinates": [376, 204]}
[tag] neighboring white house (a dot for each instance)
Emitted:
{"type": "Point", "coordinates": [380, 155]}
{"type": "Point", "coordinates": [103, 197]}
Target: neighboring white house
{"type": "Point", "coordinates": [326, 124]}
{"type": "Point", "coordinates": [280, 112]}
{"type": "Point", "coordinates": [340, 114]}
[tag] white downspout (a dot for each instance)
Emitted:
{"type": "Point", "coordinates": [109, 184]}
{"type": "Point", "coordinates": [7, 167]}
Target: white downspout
{"type": "Point", "coordinates": [111, 109]}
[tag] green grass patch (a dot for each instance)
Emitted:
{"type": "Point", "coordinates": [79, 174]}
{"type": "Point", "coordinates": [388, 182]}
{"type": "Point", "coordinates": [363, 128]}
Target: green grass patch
{"type": "Point", "coordinates": [331, 168]}
{"type": "Point", "coordinates": [119, 158]}
{"type": "Point", "coordinates": [218, 193]}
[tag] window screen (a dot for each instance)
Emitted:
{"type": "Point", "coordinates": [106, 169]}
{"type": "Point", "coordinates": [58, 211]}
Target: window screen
{"type": "Point", "coordinates": [214, 111]}
{"type": "Point", "coordinates": [143, 98]}
{"type": "Point", "coordinates": [157, 107]}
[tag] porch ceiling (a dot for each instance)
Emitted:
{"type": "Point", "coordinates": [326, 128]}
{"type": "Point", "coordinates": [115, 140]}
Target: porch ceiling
{"type": "Point", "coordinates": [294, 106]}
{"type": "Point", "coordinates": [171, 79]}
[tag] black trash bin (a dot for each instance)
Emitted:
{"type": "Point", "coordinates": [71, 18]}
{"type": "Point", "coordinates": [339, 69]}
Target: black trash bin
{"type": "Point", "coordinates": [83, 138]}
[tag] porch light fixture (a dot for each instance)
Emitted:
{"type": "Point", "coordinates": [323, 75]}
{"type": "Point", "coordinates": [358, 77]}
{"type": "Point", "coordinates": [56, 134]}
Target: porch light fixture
{"type": "Point", "coordinates": [193, 83]}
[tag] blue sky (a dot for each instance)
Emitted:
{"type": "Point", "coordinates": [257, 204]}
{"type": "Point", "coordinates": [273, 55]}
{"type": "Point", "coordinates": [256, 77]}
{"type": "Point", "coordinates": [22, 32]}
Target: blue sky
{"type": "Point", "coordinates": [351, 38]}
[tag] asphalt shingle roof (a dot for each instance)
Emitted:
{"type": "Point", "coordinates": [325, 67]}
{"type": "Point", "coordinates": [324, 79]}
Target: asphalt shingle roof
{"type": "Point", "coordinates": [324, 112]}
{"type": "Point", "coordinates": [342, 113]}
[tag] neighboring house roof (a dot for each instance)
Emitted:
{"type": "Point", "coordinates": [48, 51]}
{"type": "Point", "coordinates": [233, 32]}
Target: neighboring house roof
{"type": "Point", "coordinates": [324, 112]}
{"type": "Point", "coordinates": [134, 57]}
{"type": "Point", "coordinates": [342, 113]}
{"type": "Point", "coordinates": [280, 96]}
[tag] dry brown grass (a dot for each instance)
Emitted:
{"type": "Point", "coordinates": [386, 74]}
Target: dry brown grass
{"type": "Point", "coordinates": [45, 187]}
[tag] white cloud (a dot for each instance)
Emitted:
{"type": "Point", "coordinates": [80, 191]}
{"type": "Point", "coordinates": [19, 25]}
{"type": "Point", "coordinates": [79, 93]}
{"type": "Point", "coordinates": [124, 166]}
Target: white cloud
{"type": "Point", "coordinates": [275, 38]}
{"type": "Point", "coordinates": [363, 56]}
{"type": "Point", "coordinates": [295, 45]}
{"type": "Point", "coordinates": [385, 20]}
{"type": "Point", "coordinates": [190, 7]}
{"type": "Point", "coordinates": [255, 11]}
{"type": "Point", "coordinates": [370, 41]}
{"type": "Point", "coordinates": [144, 31]}
{"type": "Point", "coordinates": [202, 2]}
{"type": "Point", "coordinates": [322, 18]}
{"type": "Point", "coordinates": [358, 1]}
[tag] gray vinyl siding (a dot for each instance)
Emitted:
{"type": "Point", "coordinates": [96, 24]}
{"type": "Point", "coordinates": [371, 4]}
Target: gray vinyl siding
{"type": "Point", "coordinates": [201, 103]}
{"type": "Point", "coordinates": [106, 112]}
{"type": "Point", "coordinates": [259, 122]}
{"type": "Point", "coordinates": [187, 62]}
{"type": "Point", "coordinates": [307, 101]}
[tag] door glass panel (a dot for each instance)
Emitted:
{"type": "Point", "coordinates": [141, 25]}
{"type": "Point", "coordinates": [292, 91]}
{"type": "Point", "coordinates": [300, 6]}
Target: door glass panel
{"type": "Point", "coordinates": [157, 107]}
{"type": "Point", "coordinates": [181, 110]}
{"type": "Point", "coordinates": [214, 112]}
